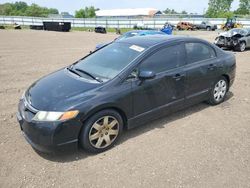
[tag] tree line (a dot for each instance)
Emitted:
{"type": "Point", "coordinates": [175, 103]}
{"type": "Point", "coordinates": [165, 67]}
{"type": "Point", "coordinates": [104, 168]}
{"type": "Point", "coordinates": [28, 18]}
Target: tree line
{"type": "Point", "coordinates": [23, 9]}
{"type": "Point", "coordinates": [87, 12]}
{"type": "Point", "coordinates": [221, 8]}
{"type": "Point", "coordinates": [216, 9]}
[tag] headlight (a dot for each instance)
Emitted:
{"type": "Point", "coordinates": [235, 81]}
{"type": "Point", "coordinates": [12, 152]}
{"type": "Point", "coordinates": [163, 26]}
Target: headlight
{"type": "Point", "coordinates": [55, 116]}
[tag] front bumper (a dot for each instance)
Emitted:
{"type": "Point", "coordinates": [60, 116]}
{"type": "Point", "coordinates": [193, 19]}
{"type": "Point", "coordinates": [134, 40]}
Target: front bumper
{"type": "Point", "coordinates": [226, 43]}
{"type": "Point", "coordinates": [48, 136]}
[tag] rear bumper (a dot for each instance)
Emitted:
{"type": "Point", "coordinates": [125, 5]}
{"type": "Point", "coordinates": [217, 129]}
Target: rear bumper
{"type": "Point", "coordinates": [48, 136]}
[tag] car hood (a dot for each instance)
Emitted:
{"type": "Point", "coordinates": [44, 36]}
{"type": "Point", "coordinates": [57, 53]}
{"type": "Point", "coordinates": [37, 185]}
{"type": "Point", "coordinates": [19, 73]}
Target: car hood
{"type": "Point", "coordinates": [56, 91]}
{"type": "Point", "coordinates": [229, 34]}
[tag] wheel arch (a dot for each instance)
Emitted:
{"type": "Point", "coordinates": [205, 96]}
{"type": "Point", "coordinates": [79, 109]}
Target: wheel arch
{"type": "Point", "coordinates": [227, 78]}
{"type": "Point", "coordinates": [243, 40]}
{"type": "Point", "coordinates": [106, 107]}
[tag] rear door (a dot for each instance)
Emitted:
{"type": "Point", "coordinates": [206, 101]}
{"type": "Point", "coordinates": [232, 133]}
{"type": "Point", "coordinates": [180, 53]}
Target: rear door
{"type": "Point", "coordinates": [167, 88]}
{"type": "Point", "coordinates": [202, 70]}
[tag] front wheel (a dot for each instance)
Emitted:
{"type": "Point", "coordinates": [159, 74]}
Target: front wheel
{"type": "Point", "coordinates": [101, 131]}
{"type": "Point", "coordinates": [241, 47]}
{"type": "Point", "coordinates": [219, 91]}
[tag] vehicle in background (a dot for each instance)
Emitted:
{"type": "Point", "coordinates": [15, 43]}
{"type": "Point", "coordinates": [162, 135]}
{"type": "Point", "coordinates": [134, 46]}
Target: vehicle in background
{"type": "Point", "coordinates": [57, 26]}
{"type": "Point", "coordinates": [230, 24]}
{"type": "Point", "coordinates": [168, 28]}
{"type": "Point", "coordinates": [206, 26]}
{"type": "Point", "coordinates": [169, 24]}
{"type": "Point", "coordinates": [133, 34]}
{"type": "Point", "coordinates": [236, 39]}
{"type": "Point", "coordinates": [100, 29]}
{"type": "Point", "coordinates": [17, 26]}
{"type": "Point", "coordinates": [185, 26]}
{"type": "Point", "coordinates": [121, 86]}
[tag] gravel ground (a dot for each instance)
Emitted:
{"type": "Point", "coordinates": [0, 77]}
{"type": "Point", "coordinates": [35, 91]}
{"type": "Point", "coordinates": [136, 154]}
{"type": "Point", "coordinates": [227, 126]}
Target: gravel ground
{"type": "Point", "coordinates": [202, 146]}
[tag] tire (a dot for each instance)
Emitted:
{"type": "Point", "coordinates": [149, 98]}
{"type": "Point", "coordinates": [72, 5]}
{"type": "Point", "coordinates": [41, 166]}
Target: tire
{"type": "Point", "coordinates": [218, 92]}
{"type": "Point", "coordinates": [208, 28]}
{"type": "Point", "coordinates": [241, 47]}
{"type": "Point", "coordinates": [101, 131]}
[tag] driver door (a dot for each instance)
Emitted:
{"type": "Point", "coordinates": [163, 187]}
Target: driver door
{"type": "Point", "coordinates": [155, 97]}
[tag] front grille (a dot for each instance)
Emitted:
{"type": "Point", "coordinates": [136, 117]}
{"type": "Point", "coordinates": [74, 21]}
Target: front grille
{"type": "Point", "coordinates": [228, 40]}
{"type": "Point", "coordinates": [225, 41]}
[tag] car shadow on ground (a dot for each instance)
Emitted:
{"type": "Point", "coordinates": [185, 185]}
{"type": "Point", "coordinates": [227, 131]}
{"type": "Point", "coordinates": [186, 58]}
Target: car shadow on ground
{"type": "Point", "coordinates": [74, 155]}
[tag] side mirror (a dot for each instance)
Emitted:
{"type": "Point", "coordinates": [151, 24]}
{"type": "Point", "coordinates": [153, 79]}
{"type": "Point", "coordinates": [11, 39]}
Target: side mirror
{"type": "Point", "coordinates": [145, 75]}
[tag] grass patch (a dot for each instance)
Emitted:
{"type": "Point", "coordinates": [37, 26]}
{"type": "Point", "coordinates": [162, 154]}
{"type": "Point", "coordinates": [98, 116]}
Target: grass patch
{"type": "Point", "coordinates": [109, 30]}
{"type": "Point", "coordinates": [82, 28]}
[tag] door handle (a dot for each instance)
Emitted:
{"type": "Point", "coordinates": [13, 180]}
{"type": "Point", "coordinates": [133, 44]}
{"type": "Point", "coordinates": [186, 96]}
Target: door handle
{"type": "Point", "coordinates": [177, 76]}
{"type": "Point", "coordinates": [211, 66]}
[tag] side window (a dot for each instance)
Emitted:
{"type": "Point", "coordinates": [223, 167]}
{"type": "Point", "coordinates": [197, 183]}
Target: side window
{"type": "Point", "coordinates": [133, 75]}
{"type": "Point", "coordinates": [164, 59]}
{"type": "Point", "coordinates": [198, 52]}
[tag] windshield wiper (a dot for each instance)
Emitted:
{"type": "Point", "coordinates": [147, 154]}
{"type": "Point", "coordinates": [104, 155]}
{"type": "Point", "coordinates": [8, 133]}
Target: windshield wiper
{"type": "Point", "coordinates": [73, 71]}
{"type": "Point", "coordinates": [90, 75]}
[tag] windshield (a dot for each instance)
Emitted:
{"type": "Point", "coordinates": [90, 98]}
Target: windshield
{"type": "Point", "coordinates": [109, 61]}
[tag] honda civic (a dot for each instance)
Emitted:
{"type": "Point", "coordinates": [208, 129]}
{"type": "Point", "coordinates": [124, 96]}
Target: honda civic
{"type": "Point", "coordinates": [120, 86]}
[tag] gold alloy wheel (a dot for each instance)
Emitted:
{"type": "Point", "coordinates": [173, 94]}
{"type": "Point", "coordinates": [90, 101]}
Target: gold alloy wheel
{"type": "Point", "coordinates": [104, 132]}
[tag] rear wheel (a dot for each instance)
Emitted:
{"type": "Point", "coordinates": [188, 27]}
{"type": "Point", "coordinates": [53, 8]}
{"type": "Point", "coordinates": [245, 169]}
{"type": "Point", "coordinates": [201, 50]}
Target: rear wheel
{"type": "Point", "coordinates": [208, 28]}
{"type": "Point", "coordinates": [101, 131]}
{"type": "Point", "coordinates": [219, 91]}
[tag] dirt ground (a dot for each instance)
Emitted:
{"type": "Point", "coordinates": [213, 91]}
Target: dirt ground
{"type": "Point", "coordinates": [202, 146]}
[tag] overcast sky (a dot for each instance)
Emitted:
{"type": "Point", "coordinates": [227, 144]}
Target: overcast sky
{"type": "Point", "coordinates": [193, 6]}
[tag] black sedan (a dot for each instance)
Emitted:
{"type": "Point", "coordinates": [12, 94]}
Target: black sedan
{"type": "Point", "coordinates": [121, 86]}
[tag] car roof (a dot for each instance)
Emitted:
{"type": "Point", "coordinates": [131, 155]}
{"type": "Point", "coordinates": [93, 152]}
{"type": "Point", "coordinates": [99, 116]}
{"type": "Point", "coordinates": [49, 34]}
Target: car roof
{"type": "Point", "coordinates": [152, 40]}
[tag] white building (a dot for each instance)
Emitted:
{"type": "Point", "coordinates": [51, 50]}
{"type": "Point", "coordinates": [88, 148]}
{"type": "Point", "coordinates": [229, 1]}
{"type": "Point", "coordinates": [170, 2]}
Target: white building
{"type": "Point", "coordinates": [135, 12]}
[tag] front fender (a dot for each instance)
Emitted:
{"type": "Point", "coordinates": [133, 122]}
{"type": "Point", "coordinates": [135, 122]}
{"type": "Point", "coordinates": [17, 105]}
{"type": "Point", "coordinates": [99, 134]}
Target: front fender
{"type": "Point", "coordinates": [85, 116]}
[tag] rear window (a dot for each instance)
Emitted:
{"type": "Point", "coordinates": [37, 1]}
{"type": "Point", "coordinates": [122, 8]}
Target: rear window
{"type": "Point", "coordinates": [198, 52]}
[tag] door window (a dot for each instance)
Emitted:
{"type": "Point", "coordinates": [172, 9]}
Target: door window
{"type": "Point", "coordinates": [198, 52]}
{"type": "Point", "coordinates": [164, 59]}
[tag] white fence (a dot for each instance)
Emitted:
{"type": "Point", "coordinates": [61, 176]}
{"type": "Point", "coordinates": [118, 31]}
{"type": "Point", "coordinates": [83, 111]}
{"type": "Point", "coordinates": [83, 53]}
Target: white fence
{"type": "Point", "coordinates": [113, 22]}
